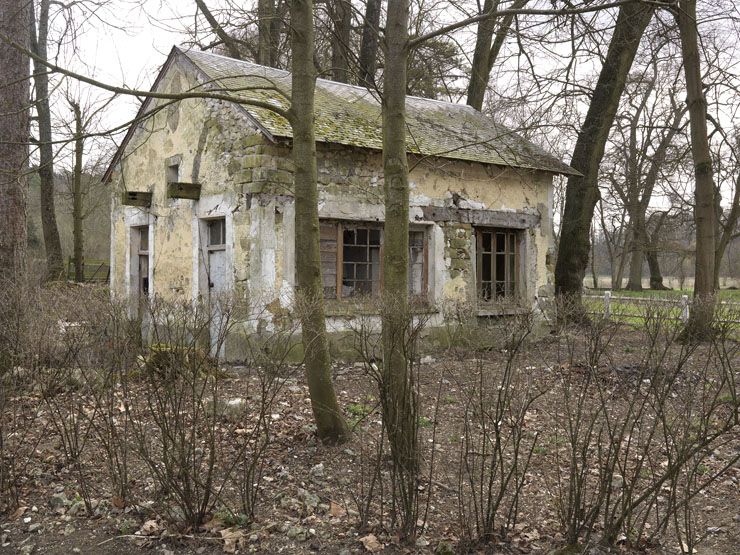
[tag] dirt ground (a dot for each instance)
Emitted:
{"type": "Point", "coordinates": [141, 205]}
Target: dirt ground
{"type": "Point", "coordinates": [308, 489]}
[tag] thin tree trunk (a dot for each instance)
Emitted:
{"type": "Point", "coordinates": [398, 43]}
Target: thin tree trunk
{"type": "Point", "coordinates": [231, 45]}
{"type": "Point", "coordinates": [727, 229]}
{"type": "Point", "coordinates": [329, 421]}
{"type": "Point", "coordinates": [487, 50]}
{"type": "Point", "coordinates": [651, 254]}
{"type": "Point", "coordinates": [52, 243]}
{"type": "Point", "coordinates": [582, 191]}
{"type": "Point", "coordinates": [656, 276]}
{"type": "Point", "coordinates": [369, 43]}
{"type": "Point", "coordinates": [398, 395]}
{"type": "Point", "coordinates": [14, 22]}
{"type": "Point", "coordinates": [77, 214]}
{"type": "Point", "coordinates": [702, 312]}
{"type": "Point", "coordinates": [594, 276]}
{"type": "Point", "coordinates": [637, 253]}
{"type": "Point", "coordinates": [622, 259]}
{"type": "Point", "coordinates": [341, 15]}
{"type": "Point", "coordinates": [268, 33]}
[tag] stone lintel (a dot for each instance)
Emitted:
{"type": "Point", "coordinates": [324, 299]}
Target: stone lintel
{"type": "Point", "coordinates": [492, 218]}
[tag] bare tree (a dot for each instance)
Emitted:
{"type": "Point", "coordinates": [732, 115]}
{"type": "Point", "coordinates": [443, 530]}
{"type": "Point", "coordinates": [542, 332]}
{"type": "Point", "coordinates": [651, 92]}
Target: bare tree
{"type": "Point", "coordinates": [368, 59]}
{"type": "Point", "coordinates": [329, 421]}
{"type": "Point", "coordinates": [268, 25]}
{"type": "Point", "coordinates": [77, 214]}
{"type": "Point", "coordinates": [704, 191]}
{"type": "Point", "coordinates": [487, 49]}
{"type": "Point", "coordinates": [340, 12]}
{"type": "Point", "coordinates": [231, 44]}
{"type": "Point", "coordinates": [582, 191]}
{"type": "Point", "coordinates": [15, 19]}
{"type": "Point", "coordinates": [39, 45]}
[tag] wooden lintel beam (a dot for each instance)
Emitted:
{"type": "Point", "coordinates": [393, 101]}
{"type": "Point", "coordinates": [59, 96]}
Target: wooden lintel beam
{"type": "Point", "coordinates": [136, 198]}
{"type": "Point", "coordinates": [177, 189]}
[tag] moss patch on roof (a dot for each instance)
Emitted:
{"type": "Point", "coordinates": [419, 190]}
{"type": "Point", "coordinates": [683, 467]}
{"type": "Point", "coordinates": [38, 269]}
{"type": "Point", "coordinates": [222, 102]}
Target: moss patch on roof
{"type": "Point", "coordinates": [351, 115]}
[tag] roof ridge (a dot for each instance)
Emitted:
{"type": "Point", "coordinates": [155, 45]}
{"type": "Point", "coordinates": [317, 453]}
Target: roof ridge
{"type": "Point", "coordinates": [324, 80]}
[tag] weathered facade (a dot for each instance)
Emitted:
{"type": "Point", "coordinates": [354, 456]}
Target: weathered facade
{"type": "Point", "coordinates": [202, 199]}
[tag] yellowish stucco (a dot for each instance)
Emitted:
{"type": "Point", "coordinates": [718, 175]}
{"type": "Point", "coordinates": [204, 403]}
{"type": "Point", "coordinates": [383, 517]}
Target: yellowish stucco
{"type": "Point", "coordinates": [247, 179]}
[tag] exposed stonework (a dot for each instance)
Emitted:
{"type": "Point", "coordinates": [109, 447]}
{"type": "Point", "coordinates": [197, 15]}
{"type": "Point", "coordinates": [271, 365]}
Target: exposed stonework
{"type": "Point", "coordinates": [247, 179]}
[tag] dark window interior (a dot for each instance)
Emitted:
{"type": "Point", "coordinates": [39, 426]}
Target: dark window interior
{"type": "Point", "coordinates": [351, 260]}
{"type": "Point", "coordinates": [497, 264]}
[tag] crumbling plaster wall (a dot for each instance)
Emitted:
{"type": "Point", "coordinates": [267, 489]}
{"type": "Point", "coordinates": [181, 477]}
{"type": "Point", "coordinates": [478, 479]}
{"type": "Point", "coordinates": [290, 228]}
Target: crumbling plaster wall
{"type": "Point", "coordinates": [208, 139]}
{"type": "Point", "coordinates": [247, 179]}
{"type": "Point", "coordinates": [351, 188]}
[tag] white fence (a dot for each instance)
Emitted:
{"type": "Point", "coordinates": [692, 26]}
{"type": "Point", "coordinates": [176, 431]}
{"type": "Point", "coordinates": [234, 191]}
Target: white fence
{"type": "Point", "coordinates": [684, 303]}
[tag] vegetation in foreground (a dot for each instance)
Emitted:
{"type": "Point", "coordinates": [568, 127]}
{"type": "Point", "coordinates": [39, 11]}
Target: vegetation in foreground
{"type": "Point", "coordinates": [597, 437]}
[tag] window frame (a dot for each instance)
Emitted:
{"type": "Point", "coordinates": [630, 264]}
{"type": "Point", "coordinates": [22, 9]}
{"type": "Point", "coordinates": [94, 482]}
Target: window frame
{"type": "Point", "coordinates": [341, 225]}
{"type": "Point", "coordinates": [209, 223]}
{"type": "Point", "coordinates": [518, 286]}
{"type": "Point", "coordinates": [142, 252]}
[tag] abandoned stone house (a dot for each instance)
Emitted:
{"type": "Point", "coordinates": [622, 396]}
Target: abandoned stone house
{"type": "Point", "coordinates": [202, 202]}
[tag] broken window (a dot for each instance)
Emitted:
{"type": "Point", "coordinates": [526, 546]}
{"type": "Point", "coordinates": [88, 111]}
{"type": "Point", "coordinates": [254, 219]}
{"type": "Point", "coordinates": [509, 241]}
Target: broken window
{"type": "Point", "coordinates": [351, 260]}
{"type": "Point", "coordinates": [498, 264]}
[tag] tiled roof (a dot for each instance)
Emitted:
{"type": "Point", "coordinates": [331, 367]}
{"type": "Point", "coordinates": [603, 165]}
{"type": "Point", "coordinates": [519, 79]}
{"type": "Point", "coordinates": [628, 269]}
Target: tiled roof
{"type": "Point", "coordinates": [351, 115]}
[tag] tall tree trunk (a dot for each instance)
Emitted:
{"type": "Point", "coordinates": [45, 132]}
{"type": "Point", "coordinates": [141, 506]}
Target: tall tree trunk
{"type": "Point", "coordinates": [52, 243]}
{"type": "Point", "coordinates": [619, 277]}
{"type": "Point", "coordinates": [582, 191]}
{"type": "Point", "coordinates": [594, 276]}
{"type": "Point", "coordinates": [398, 395]}
{"type": "Point", "coordinates": [369, 43]}
{"type": "Point", "coordinates": [487, 50]}
{"type": "Point", "coordinates": [656, 276]}
{"type": "Point", "coordinates": [268, 33]}
{"type": "Point", "coordinates": [329, 421]}
{"type": "Point", "coordinates": [727, 228]}
{"type": "Point", "coordinates": [637, 253]}
{"type": "Point", "coordinates": [702, 312]}
{"type": "Point", "coordinates": [77, 214]}
{"type": "Point", "coordinates": [341, 15]}
{"type": "Point", "coordinates": [651, 254]}
{"type": "Point", "coordinates": [14, 22]}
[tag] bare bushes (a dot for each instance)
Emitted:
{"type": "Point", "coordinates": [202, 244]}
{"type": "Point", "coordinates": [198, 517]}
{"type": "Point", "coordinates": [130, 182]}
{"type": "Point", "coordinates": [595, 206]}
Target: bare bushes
{"type": "Point", "coordinates": [496, 447]}
{"type": "Point", "coordinates": [393, 367]}
{"type": "Point", "coordinates": [632, 438]}
{"type": "Point", "coordinates": [195, 440]}
{"type": "Point", "coordinates": [155, 411]}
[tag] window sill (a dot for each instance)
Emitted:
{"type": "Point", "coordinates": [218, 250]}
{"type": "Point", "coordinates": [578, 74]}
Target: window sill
{"type": "Point", "coordinates": [350, 307]}
{"type": "Point", "coordinates": [501, 310]}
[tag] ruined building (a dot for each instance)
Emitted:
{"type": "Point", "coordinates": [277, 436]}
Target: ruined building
{"type": "Point", "coordinates": [202, 198]}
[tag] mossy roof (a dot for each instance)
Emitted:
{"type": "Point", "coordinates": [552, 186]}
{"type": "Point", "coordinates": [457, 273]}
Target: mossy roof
{"type": "Point", "coordinates": [351, 115]}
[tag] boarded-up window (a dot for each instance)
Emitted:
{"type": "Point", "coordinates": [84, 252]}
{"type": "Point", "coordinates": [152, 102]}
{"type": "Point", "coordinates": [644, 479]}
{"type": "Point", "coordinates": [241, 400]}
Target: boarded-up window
{"type": "Point", "coordinates": [351, 260]}
{"type": "Point", "coordinates": [498, 264]}
{"type": "Point", "coordinates": [328, 249]}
